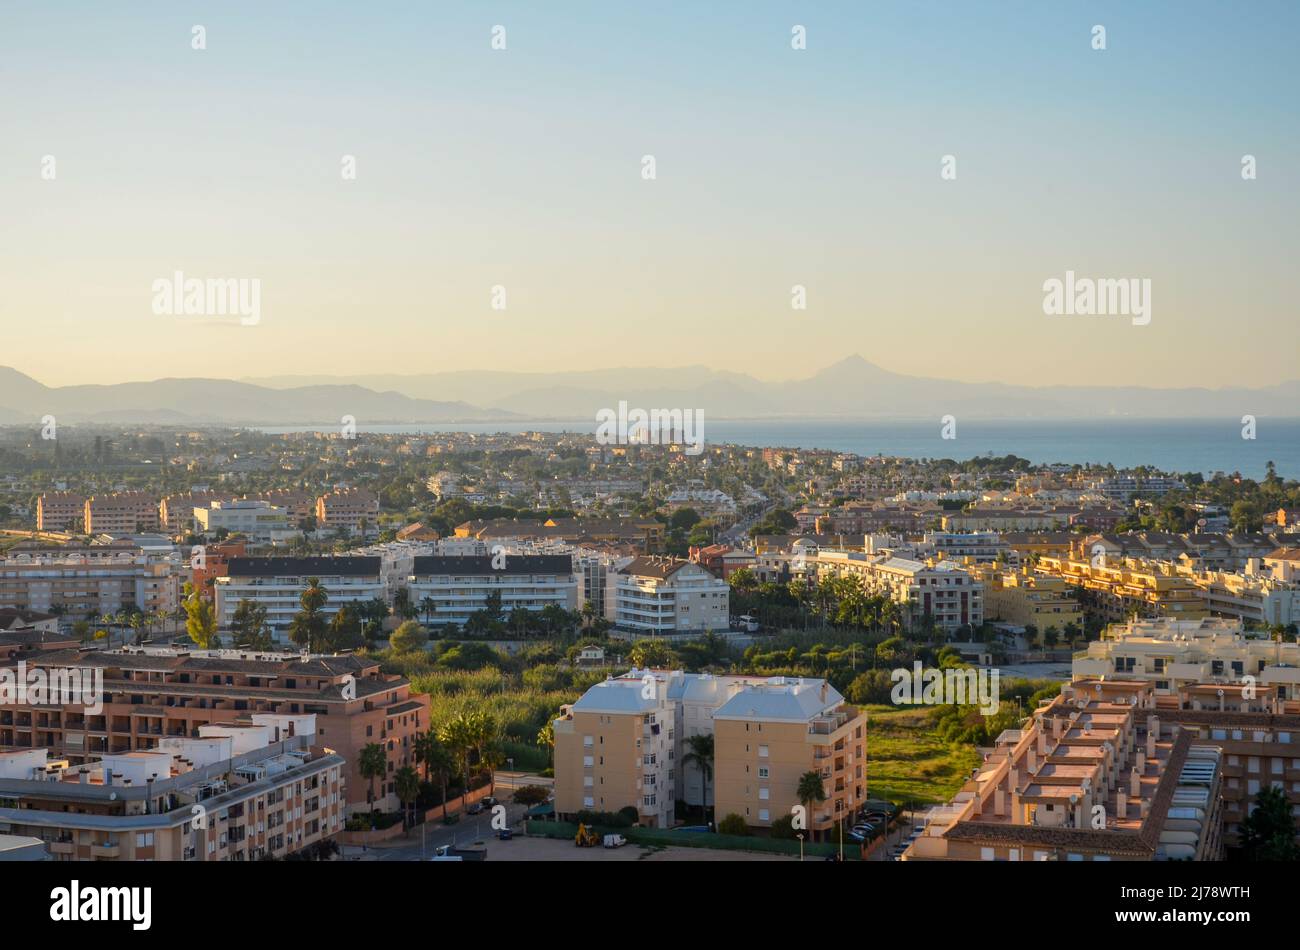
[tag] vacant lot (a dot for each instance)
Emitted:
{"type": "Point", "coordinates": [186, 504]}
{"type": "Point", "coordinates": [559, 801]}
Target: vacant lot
{"type": "Point", "coordinates": [907, 762]}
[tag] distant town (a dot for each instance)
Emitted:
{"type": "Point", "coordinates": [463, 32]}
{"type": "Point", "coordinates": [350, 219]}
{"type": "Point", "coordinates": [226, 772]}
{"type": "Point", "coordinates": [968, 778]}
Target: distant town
{"type": "Point", "coordinates": [343, 645]}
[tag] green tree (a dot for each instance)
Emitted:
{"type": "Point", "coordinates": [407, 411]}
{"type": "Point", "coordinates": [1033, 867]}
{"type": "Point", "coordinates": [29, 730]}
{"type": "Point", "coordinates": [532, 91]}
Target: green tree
{"type": "Point", "coordinates": [811, 792]}
{"type": "Point", "coordinates": [407, 786]}
{"type": "Point", "coordinates": [373, 764]}
{"type": "Point", "coordinates": [733, 824]}
{"type": "Point", "coordinates": [1268, 833]}
{"type": "Point", "coordinates": [308, 625]}
{"type": "Point", "coordinates": [699, 753]}
{"type": "Point", "coordinates": [408, 637]}
{"type": "Point", "coordinates": [249, 627]}
{"type": "Point", "coordinates": [200, 619]}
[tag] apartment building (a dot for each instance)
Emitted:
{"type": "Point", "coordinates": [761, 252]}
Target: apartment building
{"type": "Point", "coordinates": [210, 561]}
{"type": "Point", "coordinates": [625, 740]}
{"type": "Point", "coordinates": [460, 585]}
{"type": "Point", "coordinates": [1096, 775]}
{"type": "Point", "coordinates": [242, 790]}
{"type": "Point", "coordinates": [1120, 589]}
{"type": "Point", "coordinates": [979, 547]}
{"type": "Point", "coordinates": [258, 520]}
{"type": "Point", "coordinates": [348, 509]}
{"type": "Point", "coordinates": [1258, 736]}
{"type": "Point", "coordinates": [656, 595]}
{"type": "Point", "coordinates": [120, 513]}
{"type": "Point", "coordinates": [1024, 598]}
{"type": "Point", "coordinates": [939, 589]}
{"type": "Point", "coordinates": [301, 504]}
{"type": "Point", "coordinates": [85, 583]}
{"type": "Point", "coordinates": [60, 511]}
{"type": "Point", "coordinates": [1124, 487]}
{"type": "Point", "coordinates": [769, 734]}
{"type": "Point", "coordinates": [1173, 654]}
{"type": "Point", "coordinates": [1000, 520]}
{"type": "Point", "coordinates": [176, 512]}
{"type": "Point", "coordinates": [277, 583]}
{"type": "Point", "coordinates": [617, 747]}
{"type": "Point", "coordinates": [153, 693]}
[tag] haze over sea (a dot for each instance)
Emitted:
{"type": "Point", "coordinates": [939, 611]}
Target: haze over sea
{"type": "Point", "coordinates": [1175, 445]}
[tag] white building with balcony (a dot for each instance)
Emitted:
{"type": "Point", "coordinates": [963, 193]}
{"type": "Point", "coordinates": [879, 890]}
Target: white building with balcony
{"type": "Point", "coordinates": [663, 596]}
{"type": "Point", "coordinates": [461, 585]}
{"type": "Point", "coordinates": [277, 583]}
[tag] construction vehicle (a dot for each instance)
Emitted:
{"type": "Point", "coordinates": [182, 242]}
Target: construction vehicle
{"type": "Point", "coordinates": [585, 838]}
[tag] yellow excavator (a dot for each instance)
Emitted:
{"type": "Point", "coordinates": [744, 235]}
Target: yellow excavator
{"type": "Point", "coordinates": [585, 838]}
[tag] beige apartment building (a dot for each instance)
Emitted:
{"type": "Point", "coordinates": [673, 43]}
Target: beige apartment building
{"type": "Point", "coordinates": [768, 735]}
{"type": "Point", "coordinates": [939, 589]}
{"type": "Point", "coordinates": [347, 509]}
{"type": "Point", "coordinates": [1098, 774]}
{"type": "Point", "coordinates": [239, 790]}
{"type": "Point", "coordinates": [121, 513]}
{"type": "Point", "coordinates": [152, 693]}
{"type": "Point", "coordinates": [1172, 654]}
{"type": "Point", "coordinates": [87, 583]}
{"type": "Point", "coordinates": [176, 512]}
{"type": "Point", "coordinates": [1023, 598]}
{"type": "Point", "coordinates": [60, 511]}
{"type": "Point", "coordinates": [616, 747]}
{"type": "Point", "coordinates": [623, 743]}
{"type": "Point", "coordinates": [1126, 587]}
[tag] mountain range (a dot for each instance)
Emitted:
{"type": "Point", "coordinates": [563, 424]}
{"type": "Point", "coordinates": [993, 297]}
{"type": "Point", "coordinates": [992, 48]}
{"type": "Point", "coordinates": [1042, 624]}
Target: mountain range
{"type": "Point", "coordinates": [851, 388]}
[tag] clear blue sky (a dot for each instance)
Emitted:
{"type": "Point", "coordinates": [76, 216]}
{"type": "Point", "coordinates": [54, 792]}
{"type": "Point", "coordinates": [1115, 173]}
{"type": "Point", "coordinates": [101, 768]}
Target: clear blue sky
{"type": "Point", "coordinates": [775, 167]}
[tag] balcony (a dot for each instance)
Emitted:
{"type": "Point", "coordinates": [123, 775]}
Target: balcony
{"type": "Point", "coordinates": [107, 849]}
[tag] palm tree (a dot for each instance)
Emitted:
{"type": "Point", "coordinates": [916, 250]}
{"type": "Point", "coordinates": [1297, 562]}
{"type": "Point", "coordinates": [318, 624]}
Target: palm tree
{"type": "Point", "coordinates": [427, 606]}
{"type": "Point", "coordinates": [700, 754]}
{"type": "Point", "coordinates": [810, 792]}
{"type": "Point", "coordinates": [455, 735]}
{"type": "Point", "coordinates": [373, 764]}
{"type": "Point", "coordinates": [437, 760]}
{"type": "Point", "coordinates": [408, 790]}
{"type": "Point", "coordinates": [546, 739]}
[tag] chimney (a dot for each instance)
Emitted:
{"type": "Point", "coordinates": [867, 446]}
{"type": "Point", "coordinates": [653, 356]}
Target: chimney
{"type": "Point", "coordinates": [1000, 802]}
{"type": "Point", "coordinates": [1134, 783]}
{"type": "Point", "coordinates": [1140, 762]}
{"type": "Point", "coordinates": [1031, 761]}
{"type": "Point", "coordinates": [824, 689]}
{"type": "Point", "coordinates": [1121, 805]}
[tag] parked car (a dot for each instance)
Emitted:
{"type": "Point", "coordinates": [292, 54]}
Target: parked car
{"type": "Point", "coordinates": [475, 809]}
{"type": "Point", "coordinates": [615, 841]}
{"type": "Point", "coordinates": [505, 834]}
{"type": "Point", "coordinates": [489, 801]}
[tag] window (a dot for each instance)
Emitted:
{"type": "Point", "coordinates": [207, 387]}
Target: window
{"type": "Point", "coordinates": [762, 771]}
{"type": "Point", "coordinates": [762, 752]}
{"type": "Point", "coordinates": [986, 854]}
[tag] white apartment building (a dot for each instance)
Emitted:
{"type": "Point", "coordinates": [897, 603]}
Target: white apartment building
{"type": "Point", "coordinates": [1173, 654]}
{"type": "Point", "coordinates": [255, 519]}
{"type": "Point", "coordinates": [277, 583]}
{"type": "Point", "coordinates": [460, 585]}
{"type": "Point", "coordinates": [940, 589]}
{"type": "Point", "coordinates": [658, 596]}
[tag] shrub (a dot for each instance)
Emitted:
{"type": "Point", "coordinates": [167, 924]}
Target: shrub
{"type": "Point", "coordinates": [531, 795]}
{"type": "Point", "coordinates": [733, 824]}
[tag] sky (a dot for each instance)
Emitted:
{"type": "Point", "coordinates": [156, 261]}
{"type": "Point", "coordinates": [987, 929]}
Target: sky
{"type": "Point", "coordinates": [522, 168]}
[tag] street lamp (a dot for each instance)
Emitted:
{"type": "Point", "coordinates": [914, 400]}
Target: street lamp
{"type": "Point", "coordinates": [800, 837]}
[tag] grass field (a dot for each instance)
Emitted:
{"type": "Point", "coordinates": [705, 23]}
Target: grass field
{"type": "Point", "coordinates": [907, 762]}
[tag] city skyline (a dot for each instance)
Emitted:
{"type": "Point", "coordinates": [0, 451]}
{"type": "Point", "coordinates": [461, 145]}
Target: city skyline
{"type": "Point", "coordinates": [775, 168]}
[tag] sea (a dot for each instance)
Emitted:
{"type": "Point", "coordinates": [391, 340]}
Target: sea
{"type": "Point", "coordinates": [1172, 445]}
